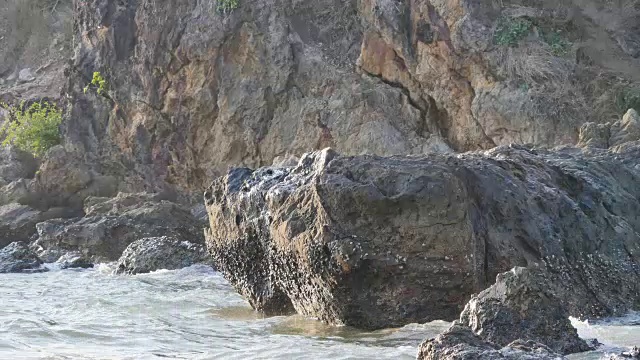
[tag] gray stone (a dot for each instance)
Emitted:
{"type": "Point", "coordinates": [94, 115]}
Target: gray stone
{"type": "Point", "coordinates": [111, 224]}
{"type": "Point", "coordinates": [151, 254]}
{"type": "Point", "coordinates": [524, 304]}
{"type": "Point", "coordinates": [609, 135]}
{"type": "Point", "coordinates": [17, 223]}
{"type": "Point", "coordinates": [632, 353]}
{"type": "Point", "coordinates": [17, 257]}
{"type": "Point", "coordinates": [460, 343]}
{"type": "Point", "coordinates": [625, 130]}
{"type": "Point", "coordinates": [25, 75]}
{"type": "Point", "coordinates": [16, 164]}
{"type": "Point", "coordinates": [74, 260]}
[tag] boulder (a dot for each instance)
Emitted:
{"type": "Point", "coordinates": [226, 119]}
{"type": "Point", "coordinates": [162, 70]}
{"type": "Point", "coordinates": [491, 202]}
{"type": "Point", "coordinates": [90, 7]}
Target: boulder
{"type": "Point", "coordinates": [14, 192]}
{"type": "Point", "coordinates": [377, 242]}
{"type": "Point", "coordinates": [151, 254]}
{"type": "Point", "coordinates": [65, 179]}
{"type": "Point", "coordinates": [608, 135]}
{"type": "Point", "coordinates": [16, 164]}
{"type": "Point", "coordinates": [17, 223]}
{"type": "Point", "coordinates": [74, 260]}
{"type": "Point", "coordinates": [524, 304]}
{"type": "Point", "coordinates": [459, 342]}
{"type": "Point", "coordinates": [17, 257]}
{"type": "Point", "coordinates": [625, 130]}
{"type": "Point", "coordinates": [25, 75]}
{"type": "Point", "coordinates": [595, 135]}
{"type": "Point", "coordinates": [631, 354]}
{"type": "Point", "coordinates": [111, 224]}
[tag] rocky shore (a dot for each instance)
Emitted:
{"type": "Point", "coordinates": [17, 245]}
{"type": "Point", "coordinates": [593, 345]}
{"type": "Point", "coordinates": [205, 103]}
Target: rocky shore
{"type": "Point", "coordinates": [481, 159]}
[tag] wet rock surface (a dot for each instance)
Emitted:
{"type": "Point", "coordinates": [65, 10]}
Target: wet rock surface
{"type": "Point", "coordinates": [74, 260]}
{"type": "Point", "coordinates": [151, 254]}
{"type": "Point", "coordinates": [111, 224]}
{"type": "Point", "coordinates": [379, 242]}
{"type": "Point", "coordinates": [633, 353]}
{"type": "Point", "coordinates": [459, 342]}
{"type": "Point", "coordinates": [17, 258]}
{"type": "Point", "coordinates": [524, 304]}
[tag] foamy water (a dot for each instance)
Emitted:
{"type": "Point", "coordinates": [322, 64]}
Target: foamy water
{"type": "Point", "coordinates": [192, 314]}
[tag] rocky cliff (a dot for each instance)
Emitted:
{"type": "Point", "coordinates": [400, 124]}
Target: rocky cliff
{"type": "Point", "coordinates": [192, 89]}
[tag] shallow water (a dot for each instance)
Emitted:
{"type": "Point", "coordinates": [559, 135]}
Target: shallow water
{"type": "Point", "coordinates": [191, 314]}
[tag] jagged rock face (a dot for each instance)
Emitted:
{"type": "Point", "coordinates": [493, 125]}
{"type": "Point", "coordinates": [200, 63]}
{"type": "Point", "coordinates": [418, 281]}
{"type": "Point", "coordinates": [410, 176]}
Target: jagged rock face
{"type": "Point", "coordinates": [191, 90]}
{"type": "Point", "coordinates": [110, 225]}
{"type": "Point", "coordinates": [460, 343]}
{"type": "Point", "coordinates": [17, 257]}
{"type": "Point", "coordinates": [151, 254]}
{"type": "Point", "coordinates": [377, 242]}
{"type": "Point", "coordinates": [604, 136]}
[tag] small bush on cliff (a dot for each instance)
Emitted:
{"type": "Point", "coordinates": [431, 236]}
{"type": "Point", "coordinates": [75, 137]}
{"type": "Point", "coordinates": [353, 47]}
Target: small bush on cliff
{"type": "Point", "coordinates": [628, 98]}
{"type": "Point", "coordinates": [511, 30]}
{"type": "Point", "coordinates": [35, 129]}
{"type": "Point", "coordinates": [226, 6]}
{"type": "Point", "coordinates": [558, 43]}
{"type": "Point", "coordinates": [99, 83]}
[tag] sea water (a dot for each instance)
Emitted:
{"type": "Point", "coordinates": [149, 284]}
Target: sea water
{"type": "Point", "coordinates": [194, 313]}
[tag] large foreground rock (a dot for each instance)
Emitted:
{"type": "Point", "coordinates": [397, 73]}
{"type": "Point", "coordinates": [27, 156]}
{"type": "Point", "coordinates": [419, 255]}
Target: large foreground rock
{"type": "Point", "coordinates": [151, 254]}
{"type": "Point", "coordinates": [110, 225]}
{"type": "Point", "coordinates": [376, 242]}
{"type": "Point", "coordinates": [17, 257]}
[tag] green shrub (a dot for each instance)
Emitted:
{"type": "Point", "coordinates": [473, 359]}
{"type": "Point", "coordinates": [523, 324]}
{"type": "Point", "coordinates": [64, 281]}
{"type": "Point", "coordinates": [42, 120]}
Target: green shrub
{"type": "Point", "coordinates": [99, 83]}
{"type": "Point", "coordinates": [35, 129]}
{"type": "Point", "coordinates": [558, 43]}
{"type": "Point", "coordinates": [628, 98]}
{"type": "Point", "coordinates": [226, 6]}
{"type": "Point", "coordinates": [511, 30]}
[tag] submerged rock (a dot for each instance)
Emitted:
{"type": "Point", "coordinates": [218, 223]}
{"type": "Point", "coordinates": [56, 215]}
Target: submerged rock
{"type": "Point", "coordinates": [111, 224]}
{"type": "Point", "coordinates": [378, 242]}
{"type": "Point", "coordinates": [17, 257]}
{"type": "Point", "coordinates": [74, 260]}
{"type": "Point", "coordinates": [151, 254]}
{"type": "Point", "coordinates": [459, 342]}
